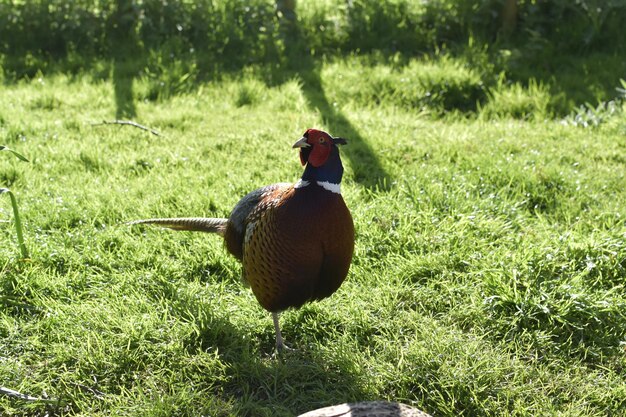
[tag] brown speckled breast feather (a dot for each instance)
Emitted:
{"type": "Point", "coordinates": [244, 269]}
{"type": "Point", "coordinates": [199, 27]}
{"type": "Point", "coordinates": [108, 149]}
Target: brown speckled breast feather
{"type": "Point", "coordinates": [296, 244]}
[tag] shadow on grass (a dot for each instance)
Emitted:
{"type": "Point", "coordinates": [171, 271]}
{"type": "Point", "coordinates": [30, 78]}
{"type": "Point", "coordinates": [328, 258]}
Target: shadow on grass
{"type": "Point", "coordinates": [262, 383]}
{"type": "Point", "coordinates": [320, 371]}
{"type": "Point", "coordinates": [126, 58]}
{"type": "Point", "coordinates": [297, 62]}
{"type": "Point", "coordinates": [123, 75]}
{"type": "Point", "coordinates": [366, 166]}
{"type": "Point", "coordinates": [292, 384]}
{"type": "Point", "coordinates": [259, 382]}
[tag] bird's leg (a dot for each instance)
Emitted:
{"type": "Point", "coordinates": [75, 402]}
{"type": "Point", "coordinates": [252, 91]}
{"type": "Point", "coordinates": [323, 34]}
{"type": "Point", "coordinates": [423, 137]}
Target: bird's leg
{"type": "Point", "coordinates": [280, 342]}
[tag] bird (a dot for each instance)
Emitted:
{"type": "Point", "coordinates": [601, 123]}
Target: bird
{"type": "Point", "coordinates": [295, 240]}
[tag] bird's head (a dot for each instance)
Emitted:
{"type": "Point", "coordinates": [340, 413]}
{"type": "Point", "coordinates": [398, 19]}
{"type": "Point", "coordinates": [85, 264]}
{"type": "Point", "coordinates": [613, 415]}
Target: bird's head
{"type": "Point", "coordinates": [316, 147]}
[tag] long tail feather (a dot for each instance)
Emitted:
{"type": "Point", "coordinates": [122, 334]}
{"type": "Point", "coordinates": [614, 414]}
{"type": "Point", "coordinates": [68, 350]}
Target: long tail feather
{"type": "Point", "coordinates": [193, 224]}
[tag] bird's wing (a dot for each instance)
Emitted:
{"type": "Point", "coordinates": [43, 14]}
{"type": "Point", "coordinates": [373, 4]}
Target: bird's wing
{"type": "Point", "coordinates": [249, 203]}
{"type": "Point", "coordinates": [245, 212]}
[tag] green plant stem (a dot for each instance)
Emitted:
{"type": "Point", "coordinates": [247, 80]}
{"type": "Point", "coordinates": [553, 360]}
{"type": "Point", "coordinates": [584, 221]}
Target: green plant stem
{"type": "Point", "coordinates": [18, 223]}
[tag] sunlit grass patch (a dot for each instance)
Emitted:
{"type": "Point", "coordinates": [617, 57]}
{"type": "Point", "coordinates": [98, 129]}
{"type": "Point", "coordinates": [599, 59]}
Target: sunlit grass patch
{"type": "Point", "coordinates": [517, 101]}
{"type": "Point", "coordinates": [487, 276]}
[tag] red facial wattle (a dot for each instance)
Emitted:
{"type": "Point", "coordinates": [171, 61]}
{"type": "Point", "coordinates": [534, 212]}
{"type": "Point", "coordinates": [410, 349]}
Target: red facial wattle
{"type": "Point", "coordinates": [319, 154]}
{"type": "Point", "coordinates": [320, 147]}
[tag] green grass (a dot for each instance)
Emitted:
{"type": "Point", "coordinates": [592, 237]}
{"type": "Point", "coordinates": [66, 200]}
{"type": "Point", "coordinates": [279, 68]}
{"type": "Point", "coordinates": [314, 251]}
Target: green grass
{"type": "Point", "coordinates": [569, 49]}
{"type": "Point", "coordinates": [490, 260]}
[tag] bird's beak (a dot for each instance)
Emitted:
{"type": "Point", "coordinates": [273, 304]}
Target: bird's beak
{"type": "Point", "coordinates": [301, 143]}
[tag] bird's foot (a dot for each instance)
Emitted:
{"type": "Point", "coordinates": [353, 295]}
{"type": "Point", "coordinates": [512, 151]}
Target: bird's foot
{"type": "Point", "coordinates": [282, 350]}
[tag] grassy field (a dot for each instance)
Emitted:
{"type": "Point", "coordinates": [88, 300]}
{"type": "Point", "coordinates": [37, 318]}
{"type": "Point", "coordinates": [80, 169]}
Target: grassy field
{"type": "Point", "coordinates": [490, 260]}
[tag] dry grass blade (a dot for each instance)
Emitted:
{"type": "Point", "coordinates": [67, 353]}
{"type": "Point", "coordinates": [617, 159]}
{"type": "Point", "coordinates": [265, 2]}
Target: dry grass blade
{"type": "Point", "coordinates": [127, 123]}
{"type": "Point", "coordinates": [25, 397]}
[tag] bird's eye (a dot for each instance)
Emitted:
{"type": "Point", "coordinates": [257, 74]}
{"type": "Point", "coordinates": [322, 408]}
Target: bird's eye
{"type": "Point", "coordinates": [322, 140]}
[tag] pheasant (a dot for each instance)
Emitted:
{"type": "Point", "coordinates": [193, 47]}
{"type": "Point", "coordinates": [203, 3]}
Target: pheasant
{"type": "Point", "coordinates": [295, 241]}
